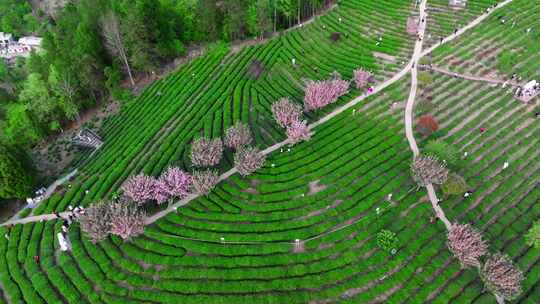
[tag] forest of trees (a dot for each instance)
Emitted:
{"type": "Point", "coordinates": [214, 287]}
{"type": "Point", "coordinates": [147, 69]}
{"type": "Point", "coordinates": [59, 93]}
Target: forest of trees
{"type": "Point", "coordinates": [91, 46]}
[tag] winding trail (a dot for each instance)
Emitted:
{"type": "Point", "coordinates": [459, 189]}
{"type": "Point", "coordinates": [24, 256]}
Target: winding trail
{"type": "Point", "coordinates": [471, 77]}
{"type": "Point", "coordinates": [50, 190]}
{"type": "Point", "coordinates": [417, 55]}
{"type": "Point", "coordinates": [409, 114]}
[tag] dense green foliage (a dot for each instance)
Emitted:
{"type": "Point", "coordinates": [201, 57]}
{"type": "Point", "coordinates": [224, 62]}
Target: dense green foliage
{"type": "Point", "coordinates": [16, 17]}
{"type": "Point", "coordinates": [15, 177]}
{"type": "Point", "coordinates": [454, 185]}
{"type": "Point", "coordinates": [533, 235]}
{"type": "Point", "coordinates": [446, 153]}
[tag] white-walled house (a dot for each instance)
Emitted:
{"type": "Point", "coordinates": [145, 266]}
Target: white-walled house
{"type": "Point", "coordinates": [10, 49]}
{"type": "Point", "coordinates": [5, 39]}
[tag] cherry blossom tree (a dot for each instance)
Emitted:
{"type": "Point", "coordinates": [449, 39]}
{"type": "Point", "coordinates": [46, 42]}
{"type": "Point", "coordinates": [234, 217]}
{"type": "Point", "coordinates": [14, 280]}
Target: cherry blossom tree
{"type": "Point", "coordinates": [319, 94]}
{"type": "Point", "coordinates": [126, 220]}
{"type": "Point", "coordinates": [427, 170]}
{"type": "Point", "coordinates": [298, 131]}
{"type": "Point", "coordinates": [412, 26]}
{"type": "Point", "coordinates": [361, 78]}
{"type": "Point", "coordinates": [238, 136]}
{"type": "Point", "coordinates": [205, 181]}
{"type": "Point", "coordinates": [285, 112]}
{"type": "Point", "coordinates": [175, 182]}
{"type": "Point", "coordinates": [502, 277]}
{"type": "Point", "coordinates": [139, 188]}
{"type": "Point", "coordinates": [161, 195]}
{"type": "Point", "coordinates": [96, 222]}
{"type": "Point", "coordinates": [466, 244]}
{"type": "Point", "coordinates": [206, 152]}
{"type": "Point", "coordinates": [248, 160]}
{"type": "Point", "coordinates": [426, 125]}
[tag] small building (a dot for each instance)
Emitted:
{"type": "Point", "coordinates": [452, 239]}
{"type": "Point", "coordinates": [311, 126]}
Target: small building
{"type": "Point", "coordinates": [88, 139]}
{"type": "Point", "coordinates": [457, 3]}
{"type": "Point", "coordinates": [11, 49]}
{"type": "Point", "coordinates": [5, 39]}
{"type": "Point", "coordinates": [30, 41]}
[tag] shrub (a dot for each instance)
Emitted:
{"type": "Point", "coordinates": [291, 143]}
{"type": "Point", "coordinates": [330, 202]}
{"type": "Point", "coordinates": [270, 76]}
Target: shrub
{"type": "Point", "coordinates": [248, 160]}
{"type": "Point", "coordinates": [298, 131]}
{"type": "Point", "coordinates": [425, 79]}
{"type": "Point", "coordinates": [426, 125]}
{"type": "Point", "coordinates": [238, 136]}
{"type": "Point", "coordinates": [441, 150]}
{"type": "Point", "coordinates": [427, 170]}
{"type": "Point", "coordinates": [319, 94]}
{"type": "Point", "coordinates": [533, 236]}
{"type": "Point", "coordinates": [206, 152]}
{"type": "Point", "coordinates": [126, 220]}
{"type": "Point", "coordinates": [501, 276]}
{"type": "Point", "coordinates": [96, 222]}
{"type": "Point", "coordinates": [286, 112]}
{"type": "Point", "coordinates": [139, 188]}
{"type": "Point", "coordinates": [466, 244]}
{"type": "Point", "coordinates": [205, 181]}
{"type": "Point", "coordinates": [454, 185]}
{"type": "Point", "coordinates": [387, 241]}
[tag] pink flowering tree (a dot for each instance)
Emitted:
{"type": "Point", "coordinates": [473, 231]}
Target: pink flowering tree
{"type": "Point", "coordinates": [139, 188]}
{"type": "Point", "coordinates": [161, 195]}
{"type": "Point", "coordinates": [501, 276]}
{"type": "Point", "coordinates": [428, 170]}
{"type": "Point", "coordinates": [205, 181]}
{"type": "Point", "coordinates": [96, 222]}
{"type": "Point", "coordinates": [319, 94]}
{"type": "Point", "coordinates": [298, 131]}
{"type": "Point", "coordinates": [412, 26]}
{"type": "Point", "coordinates": [466, 244]}
{"type": "Point", "coordinates": [361, 78]}
{"type": "Point", "coordinates": [285, 112]}
{"type": "Point", "coordinates": [126, 220]}
{"type": "Point", "coordinates": [238, 136]}
{"type": "Point", "coordinates": [175, 183]}
{"type": "Point", "coordinates": [206, 152]}
{"type": "Point", "coordinates": [248, 160]}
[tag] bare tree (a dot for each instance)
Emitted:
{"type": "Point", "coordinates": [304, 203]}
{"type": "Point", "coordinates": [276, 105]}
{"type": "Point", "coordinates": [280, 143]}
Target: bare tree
{"type": "Point", "coordinates": [110, 29]}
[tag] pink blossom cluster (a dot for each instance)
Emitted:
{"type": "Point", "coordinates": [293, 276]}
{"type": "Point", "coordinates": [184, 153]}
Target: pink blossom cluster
{"type": "Point", "coordinates": [286, 112]}
{"type": "Point", "coordinates": [206, 152]}
{"type": "Point", "coordinates": [361, 78]}
{"type": "Point", "coordinates": [319, 94]}
{"type": "Point", "coordinates": [287, 115]}
{"type": "Point", "coordinates": [502, 277]}
{"type": "Point", "coordinates": [205, 181]}
{"type": "Point", "coordinates": [466, 244]}
{"type": "Point", "coordinates": [126, 220]}
{"type": "Point", "coordinates": [412, 26]}
{"type": "Point", "coordinates": [142, 188]}
{"type": "Point", "coordinates": [175, 182]}
{"type": "Point", "coordinates": [139, 188]}
{"type": "Point", "coordinates": [248, 160]}
{"type": "Point", "coordinates": [298, 131]}
{"type": "Point", "coordinates": [238, 136]}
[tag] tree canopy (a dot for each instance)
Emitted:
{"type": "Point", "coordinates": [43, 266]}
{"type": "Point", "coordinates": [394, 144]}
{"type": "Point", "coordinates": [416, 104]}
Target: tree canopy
{"type": "Point", "coordinates": [15, 178]}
